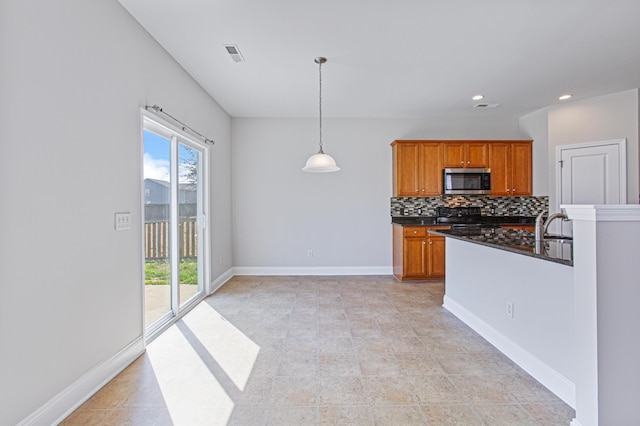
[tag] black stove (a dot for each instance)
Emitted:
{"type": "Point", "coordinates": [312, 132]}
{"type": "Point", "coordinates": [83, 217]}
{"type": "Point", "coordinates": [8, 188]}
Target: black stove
{"type": "Point", "coordinates": [459, 216]}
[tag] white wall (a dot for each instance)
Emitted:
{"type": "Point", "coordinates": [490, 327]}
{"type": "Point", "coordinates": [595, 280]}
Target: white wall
{"type": "Point", "coordinates": [74, 74]}
{"type": "Point", "coordinates": [608, 117]}
{"type": "Point", "coordinates": [281, 212]}
{"type": "Point", "coordinates": [612, 116]}
{"type": "Point", "coordinates": [535, 126]}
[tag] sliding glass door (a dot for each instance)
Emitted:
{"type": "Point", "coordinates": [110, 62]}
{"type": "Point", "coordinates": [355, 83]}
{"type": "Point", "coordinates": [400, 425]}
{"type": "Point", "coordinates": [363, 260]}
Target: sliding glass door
{"type": "Point", "coordinates": [173, 223]}
{"type": "Point", "coordinates": [189, 204]}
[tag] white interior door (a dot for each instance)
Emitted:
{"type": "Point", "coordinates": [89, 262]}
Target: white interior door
{"type": "Point", "coordinates": [592, 173]}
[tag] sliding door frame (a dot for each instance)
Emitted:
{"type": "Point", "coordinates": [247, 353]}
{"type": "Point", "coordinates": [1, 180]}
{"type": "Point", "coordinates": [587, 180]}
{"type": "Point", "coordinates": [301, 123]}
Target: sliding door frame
{"type": "Point", "coordinates": [204, 243]}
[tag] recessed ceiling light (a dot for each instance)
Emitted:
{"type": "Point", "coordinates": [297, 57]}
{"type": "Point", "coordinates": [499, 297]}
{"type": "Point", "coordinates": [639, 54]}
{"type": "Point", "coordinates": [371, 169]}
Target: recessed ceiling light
{"type": "Point", "coordinates": [565, 97]}
{"type": "Point", "coordinates": [477, 97]}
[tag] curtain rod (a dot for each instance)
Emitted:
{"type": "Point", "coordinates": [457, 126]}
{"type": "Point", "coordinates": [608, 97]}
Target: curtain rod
{"type": "Point", "coordinates": [156, 108]}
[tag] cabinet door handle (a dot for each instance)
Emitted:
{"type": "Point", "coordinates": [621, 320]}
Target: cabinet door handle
{"type": "Point", "coordinates": [507, 189]}
{"type": "Point", "coordinates": [462, 163]}
{"type": "Point", "coordinates": [417, 190]}
{"type": "Point", "coordinates": [468, 162]}
{"type": "Point", "coordinates": [423, 243]}
{"type": "Point", "coordinates": [415, 232]}
{"type": "Point", "coordinates": [430, 242]}
{"type": "Point", "coordinates": [513, 190]}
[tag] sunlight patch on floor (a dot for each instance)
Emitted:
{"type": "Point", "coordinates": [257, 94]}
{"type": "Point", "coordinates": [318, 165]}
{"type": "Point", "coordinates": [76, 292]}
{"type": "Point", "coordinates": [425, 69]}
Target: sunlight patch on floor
{"type": "Point", "coordinates": [234, 352]}
{"type": "Point", "coordinates": [191, 392]}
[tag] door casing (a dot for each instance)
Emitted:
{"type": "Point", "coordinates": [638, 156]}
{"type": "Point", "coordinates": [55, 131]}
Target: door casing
{"type": "Point", "coordinates": [613, 173]}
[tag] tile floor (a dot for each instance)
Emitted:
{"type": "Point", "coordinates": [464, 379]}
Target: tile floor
{"type": "Point", "coordinates": [322, 350]}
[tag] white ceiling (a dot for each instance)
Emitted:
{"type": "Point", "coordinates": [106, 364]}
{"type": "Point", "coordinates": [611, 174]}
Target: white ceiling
{"type": "Point", "coordinates": [401, 58]}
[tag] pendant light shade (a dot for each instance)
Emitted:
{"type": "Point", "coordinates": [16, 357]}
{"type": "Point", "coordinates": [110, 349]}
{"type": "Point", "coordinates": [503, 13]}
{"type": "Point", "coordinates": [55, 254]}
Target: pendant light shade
{"type": "Point", "coordinates": [320, 162]}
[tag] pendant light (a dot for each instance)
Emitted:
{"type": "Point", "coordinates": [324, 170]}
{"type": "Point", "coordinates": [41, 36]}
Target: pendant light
{"type": "Point", "coordinates": [320, 162]}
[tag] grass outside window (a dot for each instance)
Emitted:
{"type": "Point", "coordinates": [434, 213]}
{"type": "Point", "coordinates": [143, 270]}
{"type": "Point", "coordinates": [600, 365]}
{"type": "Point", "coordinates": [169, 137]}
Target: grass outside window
{"type": "Point", "coordinates": [158, 272]}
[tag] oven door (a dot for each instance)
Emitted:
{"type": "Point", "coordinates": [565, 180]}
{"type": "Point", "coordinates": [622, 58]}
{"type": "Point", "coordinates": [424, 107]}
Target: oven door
{"type": "Point", "coordinates": [466, 181]}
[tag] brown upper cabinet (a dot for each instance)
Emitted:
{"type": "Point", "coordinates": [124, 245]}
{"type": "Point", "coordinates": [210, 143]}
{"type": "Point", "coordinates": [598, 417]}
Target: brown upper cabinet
{"type": "Point", "coordinates": [418, 164]}
{"type": "Point", "coordinates": [465, 154]}
{"type": "Point", "coordinates": [417, 169]}
{"type": "Point", "coordinates": [510, 164]}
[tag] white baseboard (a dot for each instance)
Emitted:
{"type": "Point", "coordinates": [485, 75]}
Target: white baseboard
{"type": "Point", "coordinates": [550, 378]}
{"type": "Point", "coordinates": [311, 270]}
{"type": "Point", "coordinates": [61, 405]}
{"type": "Point", "coordinates": [219, 282]}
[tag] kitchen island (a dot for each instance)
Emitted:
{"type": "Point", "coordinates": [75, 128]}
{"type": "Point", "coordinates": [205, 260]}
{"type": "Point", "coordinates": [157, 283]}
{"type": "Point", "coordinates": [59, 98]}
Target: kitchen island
{"type": "Point", "coordinates": [519, 296]}
{"type": "Point", "coordinates": [420, 255]}
{"type": "Point", "coordinates": [553, 249]}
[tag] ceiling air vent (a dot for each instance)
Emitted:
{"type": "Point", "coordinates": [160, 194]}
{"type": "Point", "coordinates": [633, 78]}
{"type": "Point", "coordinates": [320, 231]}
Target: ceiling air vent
{"type": "Point", "coordinates": [234, 52]}
{"type": "Point", "coordinates": [481, 105]}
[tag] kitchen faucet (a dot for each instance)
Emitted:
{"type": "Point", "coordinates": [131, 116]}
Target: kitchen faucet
{"type": "Point", "coordinates": [541, 227]}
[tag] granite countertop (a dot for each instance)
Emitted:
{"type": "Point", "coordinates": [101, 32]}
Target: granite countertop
{"type": "Point", "coordinates": [516, 241]}
{"type": "Point", "coordinates": [486, 220]}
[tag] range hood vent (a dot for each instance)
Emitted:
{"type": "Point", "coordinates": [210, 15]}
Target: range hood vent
{"type": "Point", "coordinates": [483, 105]}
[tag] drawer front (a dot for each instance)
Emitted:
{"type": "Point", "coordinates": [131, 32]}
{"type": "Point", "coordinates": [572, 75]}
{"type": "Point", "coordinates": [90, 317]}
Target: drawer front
{"type": "Point", "coordinates": [439, 227]}
{"type": "Point", "coordinates": [415, 231]}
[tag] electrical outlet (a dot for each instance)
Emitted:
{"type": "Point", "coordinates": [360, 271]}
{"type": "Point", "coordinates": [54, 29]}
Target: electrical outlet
{"type": "Point", "coordinates": [309, 253]}
{"type": "Point", "coordinates": [122, 220]}
{"type": "Point", "coordinates": [509, 311]}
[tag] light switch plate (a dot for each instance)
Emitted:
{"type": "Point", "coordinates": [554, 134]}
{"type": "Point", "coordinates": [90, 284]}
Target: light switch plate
{"type": "Point", "coordinates": [122, 220]}
{"type": "Point", "coordinates": [509, 310]}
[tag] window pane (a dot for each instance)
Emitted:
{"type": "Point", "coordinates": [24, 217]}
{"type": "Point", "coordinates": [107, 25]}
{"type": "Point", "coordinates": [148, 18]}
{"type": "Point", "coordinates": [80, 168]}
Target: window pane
{"type": "Point", "coordinates": [157, 197]}
{"type": "Point", "coordinates": [188, 195]}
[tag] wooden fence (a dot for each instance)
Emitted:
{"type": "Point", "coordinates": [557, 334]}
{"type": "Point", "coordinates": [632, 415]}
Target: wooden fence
{"type": "Point", "coordinates": [156, 239]}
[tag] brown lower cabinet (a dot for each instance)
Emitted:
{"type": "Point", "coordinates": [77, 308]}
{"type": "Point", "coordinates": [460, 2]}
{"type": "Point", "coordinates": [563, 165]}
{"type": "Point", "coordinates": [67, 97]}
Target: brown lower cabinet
{"type": "Point", "coordinates": [417, 254]}
{"type": "Point", "coordinates": [520, 227]}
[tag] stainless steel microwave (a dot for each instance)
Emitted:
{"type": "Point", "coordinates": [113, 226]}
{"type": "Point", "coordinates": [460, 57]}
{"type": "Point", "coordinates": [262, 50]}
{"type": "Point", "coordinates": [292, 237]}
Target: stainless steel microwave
{"type": "Point", "coordinates": [471, 181]}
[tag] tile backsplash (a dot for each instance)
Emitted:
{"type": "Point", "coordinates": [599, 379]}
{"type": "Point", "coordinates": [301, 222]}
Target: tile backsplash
{"type": "Point", "coordinates": [494, 206]}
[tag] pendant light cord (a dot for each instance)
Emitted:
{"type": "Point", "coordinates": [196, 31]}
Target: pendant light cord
{"type": "Point", "coordinates": [320, 103]}
{"type": "Point", "coordinates": [320, 162]}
